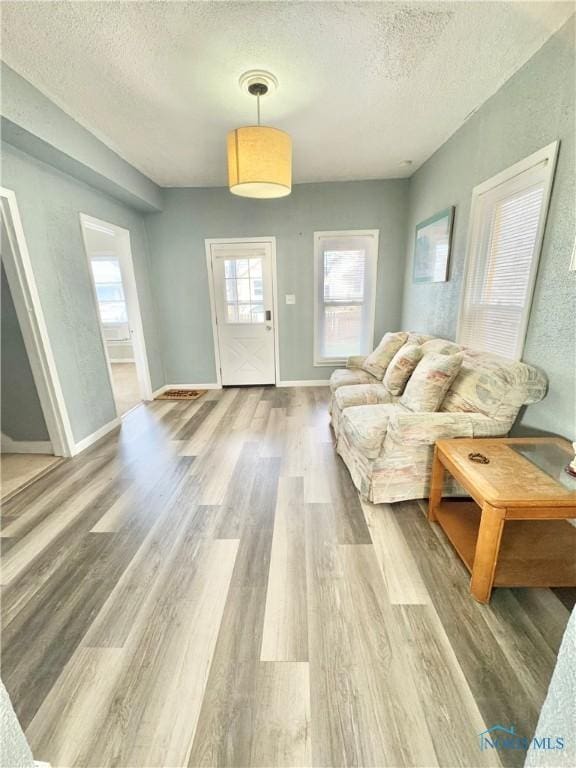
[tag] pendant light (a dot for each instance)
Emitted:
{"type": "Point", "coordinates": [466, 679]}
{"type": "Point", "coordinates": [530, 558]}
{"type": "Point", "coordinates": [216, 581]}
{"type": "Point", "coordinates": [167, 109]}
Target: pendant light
{"type": "Point", "coordinates": [259, 157]}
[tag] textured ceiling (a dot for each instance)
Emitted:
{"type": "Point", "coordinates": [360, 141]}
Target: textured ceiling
{"type": "Point", "coordinates": [363, 86]}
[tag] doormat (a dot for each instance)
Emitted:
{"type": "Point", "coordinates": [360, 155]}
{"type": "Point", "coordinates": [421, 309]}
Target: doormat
{"type": "Point", "coordinates": [181, 394]}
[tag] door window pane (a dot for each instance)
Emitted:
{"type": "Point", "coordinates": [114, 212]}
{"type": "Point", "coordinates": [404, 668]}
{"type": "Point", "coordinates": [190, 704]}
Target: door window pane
{"type": "Point", "coordinates": [256, 289]}
{"type": "Point", "coordinates": [242, 268]}
{"type": "Point", "coordinates": [244, 314]}
{"type": "Point", "coordinates": [256, 268]}
{"type": "Point", "coordinates": [231, 294]}
{"type": "Point", "coordinates": [244, 290]}
{"type": "Point", "coordinates": [257, 313]}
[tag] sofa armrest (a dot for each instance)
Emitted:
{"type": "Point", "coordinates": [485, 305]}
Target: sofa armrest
{"type": "Point", "coordinates": [356, 361]}
{"type": "Point", "coordinates": [426, 428]}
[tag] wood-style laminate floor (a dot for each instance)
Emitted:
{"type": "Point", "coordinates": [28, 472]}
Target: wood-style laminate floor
{"type": "Point", "coordinates": [126, 387]}
{"type": "Point", "coordinates": [206, 589]}
{"type": "Point", "coordinates": [17, 470]}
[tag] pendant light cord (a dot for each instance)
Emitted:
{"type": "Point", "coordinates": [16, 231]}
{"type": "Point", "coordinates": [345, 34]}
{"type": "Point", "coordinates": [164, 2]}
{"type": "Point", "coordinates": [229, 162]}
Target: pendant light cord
{"type": "Point", "coordinates": [258, 107]}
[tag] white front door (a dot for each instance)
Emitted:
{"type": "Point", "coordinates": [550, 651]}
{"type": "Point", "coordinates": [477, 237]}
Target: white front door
{"type": "Point", "coordinates": [243, 303]}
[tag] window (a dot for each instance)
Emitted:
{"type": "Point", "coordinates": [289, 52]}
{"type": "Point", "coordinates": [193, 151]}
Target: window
{"type": "Point", "coordinates": [506, 228]}
{"type": "Point", "coordinates": [243, 286]}
{"type": "Point", "coordinates": [109, 290]}
{"type": "Point", "coordinates": [345, 294]}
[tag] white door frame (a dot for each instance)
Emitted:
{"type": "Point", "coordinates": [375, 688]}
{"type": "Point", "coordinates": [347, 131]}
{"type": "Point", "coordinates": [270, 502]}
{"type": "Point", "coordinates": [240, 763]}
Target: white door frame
{"type": "Point", "coordinates": [132, 303]}
{"type": "Point", "coordinates": [208, 242]}
{"type": "Point", "coordinates": [28, 307]}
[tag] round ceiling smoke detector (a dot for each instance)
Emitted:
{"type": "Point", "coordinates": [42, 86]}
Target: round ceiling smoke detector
{"type": "Point", "coordinates": [258, 81]}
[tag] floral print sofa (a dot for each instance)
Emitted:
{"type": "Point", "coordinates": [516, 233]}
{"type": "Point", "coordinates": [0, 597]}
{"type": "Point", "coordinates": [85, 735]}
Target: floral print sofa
{"type": "Point", "coordinates": [388, 448]}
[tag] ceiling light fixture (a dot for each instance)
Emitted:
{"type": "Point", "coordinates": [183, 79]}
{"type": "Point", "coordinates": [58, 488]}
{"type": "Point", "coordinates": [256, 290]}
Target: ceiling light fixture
{"type": "Point", "coordinates": [259, 157]}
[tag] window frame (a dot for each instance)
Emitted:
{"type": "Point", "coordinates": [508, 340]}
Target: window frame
{"type": "Point", "coordinates": [115, 323]}
{"type": "Point", "coordinates": [477, 228]}
{"type": "Point", "coordinates": [371, 278]}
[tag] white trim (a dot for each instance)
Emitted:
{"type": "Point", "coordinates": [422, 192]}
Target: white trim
{"type": "Point", "coordinates": [305, 383]}
{"type": "Point", "coordinates": [372, 279]}
{"type": "Point", "coordinates": [25, 446]}
{"type": "Point", "coordinates": [548, 156]}
{"type": "Point", "coordinates": [166, 387]}
{"type": "Point", "coordinates": [28, 307]}
{"type": "Point", "coordinates": [208, 242]}
{"type": "Point", "coordinates": [132, 302]}
{"type": "Point", "coordinates": [86, 442]}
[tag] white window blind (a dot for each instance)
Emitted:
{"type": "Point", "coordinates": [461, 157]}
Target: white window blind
{"type": "Point", "coordinates": [345, 277]}
{"type": "Point", "coordinates": [507, 220]}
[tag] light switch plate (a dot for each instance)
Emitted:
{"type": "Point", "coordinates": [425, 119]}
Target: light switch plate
{"type": "Point", "coordinates": [290, 298]}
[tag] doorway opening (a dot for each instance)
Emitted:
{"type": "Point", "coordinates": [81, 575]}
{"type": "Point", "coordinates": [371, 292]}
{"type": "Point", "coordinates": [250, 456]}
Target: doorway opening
{"type": "Point", "coordinates": [36, 431]}
{"type": "Point", "coordinates": [242, 282]}
{"type": "Point", "coordinates": [26, 449]}
{"type": "Point", "coordinates": [112, 273]}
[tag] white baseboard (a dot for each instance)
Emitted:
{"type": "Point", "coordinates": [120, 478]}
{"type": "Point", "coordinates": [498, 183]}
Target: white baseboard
{"type": "Point", "coordinates": [86, 442]}
{"type": "Point", "coordinates": [166, 387]}
{"type": "Point", "coordinates": [304, 383]}
{"type": "Point", "coordinates": [214, 385]}
{"type": "Point", "coordinates": [25, 446]}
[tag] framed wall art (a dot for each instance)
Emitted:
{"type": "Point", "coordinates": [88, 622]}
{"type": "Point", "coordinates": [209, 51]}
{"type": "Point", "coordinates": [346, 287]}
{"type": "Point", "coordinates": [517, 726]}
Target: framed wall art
{"type": "Point", "coordinates": [432, 248]}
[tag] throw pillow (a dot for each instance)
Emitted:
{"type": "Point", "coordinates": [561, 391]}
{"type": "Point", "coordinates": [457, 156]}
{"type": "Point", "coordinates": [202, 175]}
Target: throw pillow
{"type": "Point", "coordinates": [401, 367]}
{"type": "Point", "coordinates": [377, 361]}
{"type": "Point", "coordinates": [430, 382]}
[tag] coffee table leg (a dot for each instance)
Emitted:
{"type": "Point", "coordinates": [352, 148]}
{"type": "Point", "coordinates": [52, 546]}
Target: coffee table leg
{"type": "Point", "coordinates": [436, 485]}
{"type": "Point", "coordinates": [486, 556]}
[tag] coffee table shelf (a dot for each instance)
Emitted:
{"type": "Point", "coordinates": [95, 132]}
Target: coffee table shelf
{"type": "Point", "coordinates": [515, 531]}
{"type": "Point", "coordinates": [533, 553]}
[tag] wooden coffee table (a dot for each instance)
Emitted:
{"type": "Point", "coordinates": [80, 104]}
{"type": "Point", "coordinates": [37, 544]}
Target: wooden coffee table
{"type": "Point", "coordinates": [514, 533]}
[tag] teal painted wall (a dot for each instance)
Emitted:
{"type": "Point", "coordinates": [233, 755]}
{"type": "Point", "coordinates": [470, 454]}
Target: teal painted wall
{"type": "Point", "coordinates": [50, 203]}
{"type": "Point", "coordinates": [535, 107]}
{"type": "Point", "coordinates": [179, 275]}
{"type": "Point", "coordinates": [35, 125]}
{"type": "Point", "coordinates": [22, 417]}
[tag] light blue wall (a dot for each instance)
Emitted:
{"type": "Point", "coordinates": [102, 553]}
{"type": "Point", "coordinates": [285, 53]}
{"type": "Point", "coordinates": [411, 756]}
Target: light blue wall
{"type": "Point", "coordinates": [22, 417]}
{"type": "Point", "coordinates": [179, 275]}
{"type": "Point", "coordinates": [35, 125]}
{"type": "Point", "coordinates": [50, 203]}
{"type": "Point", "coordinates": [535, 107]}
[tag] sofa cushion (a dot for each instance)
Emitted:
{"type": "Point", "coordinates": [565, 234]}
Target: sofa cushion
{"type": "Point", "coordinates": [440, 346]}
{"type": "Point", "coordinates": [344, 377]}
{"type": "Point", "coordinates": [401, 367]}
{"type": "Point", "coordinates": [362, 394]}
{"type": "Point", "coordinates": [377, 361]}
{"type": "Point", "coordinates": [418, 338]}
{"type": "Point", "coordinates": [430, 381]}
{"type": "Point", "coordinates": [365, 427]}
{"type": "Point", "coordinates": [494, 386]}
